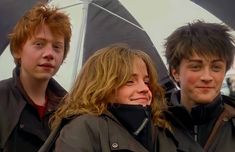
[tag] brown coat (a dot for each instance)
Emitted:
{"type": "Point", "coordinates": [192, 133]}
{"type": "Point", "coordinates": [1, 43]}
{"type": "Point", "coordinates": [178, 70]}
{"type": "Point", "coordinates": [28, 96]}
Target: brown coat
{"type": "Point", "coordinates": [103, 134]}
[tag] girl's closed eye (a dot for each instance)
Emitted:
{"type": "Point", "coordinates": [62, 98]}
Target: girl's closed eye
{"type": "Point", "coordinates": [147, 81]}
{"type": "Point", "coordinates": [130, 82]}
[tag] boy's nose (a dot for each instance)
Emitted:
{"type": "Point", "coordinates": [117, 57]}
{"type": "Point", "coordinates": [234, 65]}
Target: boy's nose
{"type": "Point", "coordinates": [48, 52]}
{"type": "Point", "coordinates": [206, 75]}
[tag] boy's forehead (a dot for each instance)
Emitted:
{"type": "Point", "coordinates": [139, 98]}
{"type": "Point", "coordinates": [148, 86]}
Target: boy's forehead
{"type": "Point", "coordinates": [44, 30]}
{"type": "Point", "coordinates": [204, 56]}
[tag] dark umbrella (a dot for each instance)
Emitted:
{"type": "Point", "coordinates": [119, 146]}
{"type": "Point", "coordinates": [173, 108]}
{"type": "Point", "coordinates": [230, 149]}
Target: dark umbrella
{"type": "Point", "coordinates": [10, 12]}
{"type": "Point", "coordinates": [102, 31]}
{"type": "Point", "coordinates": [223, 9]}
{"type": "Point", "coordinates": [109, 22]}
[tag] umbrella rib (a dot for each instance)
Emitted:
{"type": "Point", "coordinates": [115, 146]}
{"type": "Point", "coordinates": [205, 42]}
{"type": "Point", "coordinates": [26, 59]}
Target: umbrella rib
{"type": "Point", "coordinates": [70, 5]}
{"type": "Point", "coordinates": [118, 16]}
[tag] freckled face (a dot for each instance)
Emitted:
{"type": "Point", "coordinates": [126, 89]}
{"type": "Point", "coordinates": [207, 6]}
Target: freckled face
{"type": "Point", "coordinates": [41, 55]}
{"type": "Point", "coordinates": [136, 90]}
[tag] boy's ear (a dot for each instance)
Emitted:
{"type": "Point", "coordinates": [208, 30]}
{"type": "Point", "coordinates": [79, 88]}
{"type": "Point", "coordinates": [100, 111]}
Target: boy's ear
{"type": "Point", "coordinates": [175, 75]}
{"type": "Point", "coordinates": [17, 57]}
{"type": "Point", "coordinates": [16, 54]}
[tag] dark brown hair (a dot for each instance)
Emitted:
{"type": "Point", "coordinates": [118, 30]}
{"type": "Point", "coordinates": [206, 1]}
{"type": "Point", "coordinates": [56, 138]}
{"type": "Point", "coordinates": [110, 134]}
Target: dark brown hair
{"type": "Point", "coordinates": [204, 39]}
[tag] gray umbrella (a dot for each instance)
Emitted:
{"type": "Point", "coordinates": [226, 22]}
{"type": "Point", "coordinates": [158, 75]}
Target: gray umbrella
{"type": "Point", "coordinates": [109, 22]}
{"type": "Point", "coordinates": [223, 9]}
{"type": "Point", "coordinates": [10, 12]}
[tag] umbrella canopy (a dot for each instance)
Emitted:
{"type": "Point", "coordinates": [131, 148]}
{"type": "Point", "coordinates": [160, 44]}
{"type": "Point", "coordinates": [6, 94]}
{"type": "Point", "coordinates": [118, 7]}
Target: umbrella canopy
{"type": "Point", "coordinates": [147, 24]}
{"type": "Point", "coordinates": [110, 22]}
{"type": "Point", "coordinates": [10, 12]}
{"type": "Point", "coordinates": [224, 10]}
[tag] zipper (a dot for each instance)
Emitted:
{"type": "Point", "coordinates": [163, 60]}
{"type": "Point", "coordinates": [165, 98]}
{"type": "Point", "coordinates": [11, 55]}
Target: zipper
{"type": "Point", "coordinates": [196, 133]}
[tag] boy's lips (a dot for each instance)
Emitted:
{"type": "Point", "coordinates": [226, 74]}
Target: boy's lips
{"type": "Point", "coordinates": [47, 65]}
{"type": "Point", "coordinates": [205, 87]}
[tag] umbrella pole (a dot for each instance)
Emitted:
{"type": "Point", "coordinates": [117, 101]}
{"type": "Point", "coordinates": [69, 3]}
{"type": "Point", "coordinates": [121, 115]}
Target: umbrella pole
{"type": "Point", "coordinates": [79, 50]}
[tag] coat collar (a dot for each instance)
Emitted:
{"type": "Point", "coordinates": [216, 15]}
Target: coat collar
{"type": "Point", "coordinates": [55, 92]}
{"type": "Point", "coordinates": [116, 136]}
{"type": "Point", "coordinates": [199, 114]}
{"type": "Point", "coordinates": [13, 103]}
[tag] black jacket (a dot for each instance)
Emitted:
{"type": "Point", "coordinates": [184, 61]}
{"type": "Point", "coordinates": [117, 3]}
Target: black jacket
{"type": "Point", "coordinates": [193, 129]}
{"type": "Point", "coordinates": [21, 128]}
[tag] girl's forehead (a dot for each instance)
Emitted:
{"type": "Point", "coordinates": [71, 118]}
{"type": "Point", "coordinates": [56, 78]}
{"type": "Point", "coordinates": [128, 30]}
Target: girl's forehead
{"type": "Point", "coordinates": [139, 62]}
{"type": "Point", "coordinates": [139, 65]}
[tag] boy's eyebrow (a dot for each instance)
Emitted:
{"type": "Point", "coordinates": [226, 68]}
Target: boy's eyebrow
{"type": "Point", "coordinates": [194, 60]}
{"type": "Point", "coordinates": [199, 60]}
{"type": "Point", "coordinates": [218, 60]}
{"type": "Point", "coordinates": [59, 43]}
{"type": "Point", "coordinates": [39, 38]}
{"type": "Point", "coordinates": [44, 39]}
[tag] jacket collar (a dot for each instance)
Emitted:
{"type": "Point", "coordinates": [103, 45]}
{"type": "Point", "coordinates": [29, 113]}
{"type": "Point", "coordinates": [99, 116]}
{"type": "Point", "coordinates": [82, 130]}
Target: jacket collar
{"type": "Point", "coordinates": [117, 139]}
{"type": "Point", "coordinates": [13, 108]}
{"type": "Point", "coordinates": [55, 92]}
{"type": "Point", "coordinates": [137, 120]}
{"type": "Point", "coordinates": [199, 114]}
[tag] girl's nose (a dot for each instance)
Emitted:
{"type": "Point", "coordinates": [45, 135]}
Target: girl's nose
{"type": "Point", "coordinates": [143, 87]}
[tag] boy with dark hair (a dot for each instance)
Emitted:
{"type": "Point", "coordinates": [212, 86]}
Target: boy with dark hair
{"type": "Point", "coordinates": [199, 55]}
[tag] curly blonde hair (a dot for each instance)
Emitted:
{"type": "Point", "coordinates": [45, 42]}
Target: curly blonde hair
{"type": "Point", "coordinates": [102, 74]}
